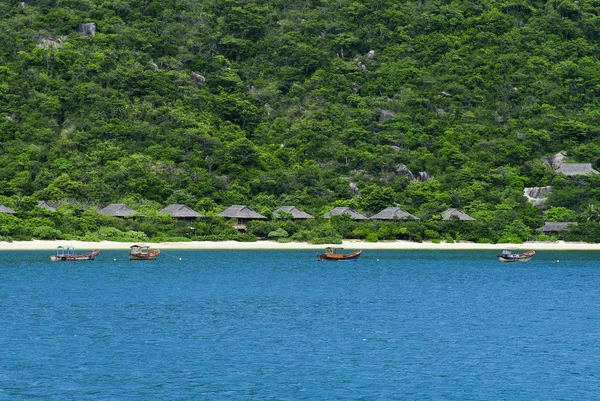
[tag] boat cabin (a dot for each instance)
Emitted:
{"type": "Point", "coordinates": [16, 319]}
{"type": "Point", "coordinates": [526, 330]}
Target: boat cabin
{"type": "Point", "coordinates": [513, 255]}
{"type": "Point", "coordinates": [508, 252]}
{"type": "Point", "coordinates": [333, 251]}
{"type": "Point", "coordinates": [65, 251]}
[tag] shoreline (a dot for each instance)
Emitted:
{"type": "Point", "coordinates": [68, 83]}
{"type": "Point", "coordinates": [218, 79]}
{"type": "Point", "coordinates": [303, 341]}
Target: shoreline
{"type": "Point", "coordinates": [81, 246]}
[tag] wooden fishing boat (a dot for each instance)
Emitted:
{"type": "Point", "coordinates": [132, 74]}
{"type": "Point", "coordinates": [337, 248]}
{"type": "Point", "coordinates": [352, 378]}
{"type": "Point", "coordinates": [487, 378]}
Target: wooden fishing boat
{"type": "Point", "coordinates": [335, 254]}
{"type": "Point", "coordinates": [511, 255]}
{"type": "Point", "coordinates": [64, 253]}
{"type": "Point", "coordinates": [142, 252]}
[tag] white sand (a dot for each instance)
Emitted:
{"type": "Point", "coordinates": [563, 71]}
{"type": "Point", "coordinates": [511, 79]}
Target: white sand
{"type": "Point", "coordinates": [81, 246]}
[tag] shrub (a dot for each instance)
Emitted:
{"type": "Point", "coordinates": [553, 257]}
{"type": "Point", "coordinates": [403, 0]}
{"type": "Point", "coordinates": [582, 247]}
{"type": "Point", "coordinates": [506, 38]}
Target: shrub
{"type": "Point", "coordinates": [136, 235]}
{"type": "Point", "coordinates": [372, 237]}
{"type": "Point", "coordinates": [512, 239]}
{"type": "Point", "coordinates": [325, 240]}
{"type": "Point", "coordinates": [46, 232]}
{"type": "Point", "coordinates": [108, 233]}
{"type": "Point", "coordinates": [546, 238]}
{"type": "Point", "coordinates": [284, 240]}
{"type": "Point", "coordinates": [431, 234]}
{"type": "Point", "coordinates": [88, 237]}
{"type": "Point", "coordinates": [279, 233]}
{"type": "Point", "coordinates": [246, 238]}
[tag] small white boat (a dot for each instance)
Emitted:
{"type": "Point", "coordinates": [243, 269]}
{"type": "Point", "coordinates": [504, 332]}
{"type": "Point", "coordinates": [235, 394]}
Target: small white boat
{"type": "Point", "coordinates": [512, 255]}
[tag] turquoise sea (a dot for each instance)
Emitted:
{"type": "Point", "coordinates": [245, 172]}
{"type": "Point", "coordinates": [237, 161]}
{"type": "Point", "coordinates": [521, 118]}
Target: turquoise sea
{"type": "Point", "coordinates": [278, 325]}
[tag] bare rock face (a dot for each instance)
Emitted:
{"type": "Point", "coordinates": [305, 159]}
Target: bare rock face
{"type": "Point", "coordinates": [420, 176]}
{"type": "Point", "coordinates": [49, 43]}
{"type": "Point", "coordinates": [403, 170]}
{"type": "Point", "coordinates": [153, 66]}
{"type": "Point", "coordinates": [555, 161]}
{"type": "Point", "coordinates": [423, 176]}
{"type": "Point", "coordinates": [88, 29]}
{"type": "Point", "coordinates": [371, 54]}
{"type": "Point", "coordinates": [385, 114]}
{"type": "Point", "coordinates": [537, 195]}
{"type": "Point", "coordinates": [198, 78]}
{"type": "Point", "coordinates": [354, 188]}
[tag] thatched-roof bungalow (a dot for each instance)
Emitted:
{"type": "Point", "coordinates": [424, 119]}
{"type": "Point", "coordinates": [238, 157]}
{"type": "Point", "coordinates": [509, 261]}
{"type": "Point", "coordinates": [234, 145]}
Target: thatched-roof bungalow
{"type": "Point", "coordinates": [296, 213]}
{"type": "Point", "coordinates": [4, 209]}
{"type": "Point", "coordinates": [46, 206]}
{"type": "Point", "coordinates": [393, 213]}
{"type": "Point", "coordinates": [455, 214]}
{"type": "Point", "coordinates": [553, 228]}
{"type": "Point", "coordinates": [336, 211]}
{"type": "Point", "coordinates": [118, 210]}
{"type": "Point", "coordinates": [243, 214]}
{"type": "Point", "coordinates": [576, 169]}
{"type": "Point", "coordinates": [181, 212]}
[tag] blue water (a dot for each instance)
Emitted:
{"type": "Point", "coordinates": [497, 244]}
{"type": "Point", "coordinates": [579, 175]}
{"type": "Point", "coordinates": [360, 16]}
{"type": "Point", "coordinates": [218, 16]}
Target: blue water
{"type": "Point", "coordinates": [278, 325]}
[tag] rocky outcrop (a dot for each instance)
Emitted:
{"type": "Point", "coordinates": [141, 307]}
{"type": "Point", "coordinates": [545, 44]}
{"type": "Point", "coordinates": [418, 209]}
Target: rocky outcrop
{"type": "Point", "coordinates": [385, 114]}
{"type": "Point", "coordinates": [555, 161]}
{"type": "Point", "coordinates": [50, 43]}
{"type": "Point", "coordinates": [198, 78]}
{"type": "Point", "coordinates": [423, 176]}
{"type": "Point", "coordinates": [88, 29]}
{"type": "Point", "coordinates": [420, 176]}
{"type": "Point", "coordinates": [537, 195]}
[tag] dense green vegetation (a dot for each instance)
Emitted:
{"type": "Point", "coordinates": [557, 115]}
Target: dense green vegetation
{"type": "Point", "coordinates": [299, 99]}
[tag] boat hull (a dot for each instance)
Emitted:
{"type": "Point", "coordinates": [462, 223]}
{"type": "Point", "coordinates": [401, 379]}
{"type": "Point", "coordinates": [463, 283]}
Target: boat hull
{"type": "Point", "coordinates": [338, 257]}
{"type": "Point", "coordinates": [525, 259]}
{"type": "Point", "coordinates": [152, 255]}
{"type": "Point", "coordinates": [521, 257]}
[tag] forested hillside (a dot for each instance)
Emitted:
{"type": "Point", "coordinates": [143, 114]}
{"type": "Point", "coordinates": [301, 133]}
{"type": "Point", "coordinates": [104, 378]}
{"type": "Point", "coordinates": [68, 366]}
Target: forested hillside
{"type": "Point", "coordinates": [424, 105]}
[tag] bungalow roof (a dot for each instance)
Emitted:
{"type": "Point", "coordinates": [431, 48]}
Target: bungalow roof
{"type": "Point", "coordinates": [241, 212]}
{"type": "Point", "coordinates": [294, 211]}
{"type": "Point", "coordinates": [576, 169]}
{"type": "Point", "coordinates": [344, 210]}
{"type": "Point", "coordinates": [557, 226]}
{"type": "Point", "coordinates": [4, 209]}
{"type": "Point", "coordinates": [178, 211]}
{"type": "Point", "coordinates": [118, 210]}
{"type": "Point", "coordinates": [393, 213]}
{"type": "Point", "coordinates": [46, 206]}
{"type": "Point", "coordinates": [449, 213]}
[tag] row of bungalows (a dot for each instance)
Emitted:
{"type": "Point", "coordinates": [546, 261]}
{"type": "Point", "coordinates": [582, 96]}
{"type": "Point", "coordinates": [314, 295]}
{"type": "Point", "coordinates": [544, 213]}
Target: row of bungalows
{"type": "Point", "coordinates": [242, 214]}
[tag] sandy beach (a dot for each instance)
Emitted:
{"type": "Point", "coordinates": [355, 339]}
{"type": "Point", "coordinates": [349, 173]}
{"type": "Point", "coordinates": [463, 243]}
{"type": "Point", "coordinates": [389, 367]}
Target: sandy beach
{"type": "Point", "coordinates": [350, 244]}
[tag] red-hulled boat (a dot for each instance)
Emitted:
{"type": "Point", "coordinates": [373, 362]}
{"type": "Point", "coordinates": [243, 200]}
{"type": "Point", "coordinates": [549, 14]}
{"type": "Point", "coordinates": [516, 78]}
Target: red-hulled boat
{"type": "Point", "coordinates": [333, 254]}
{"type": "Point", "coordinates": [142, 252]}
